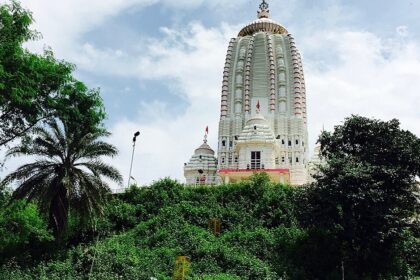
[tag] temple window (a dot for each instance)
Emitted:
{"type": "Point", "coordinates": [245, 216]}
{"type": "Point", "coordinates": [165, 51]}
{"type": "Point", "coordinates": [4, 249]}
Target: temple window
{"type": "Point", "coordinates": [223, 143]}
{"type": "Point", "coordinates": [282, 141]}
{"type": "Point", "coordinates": [297, 159]}
{"type": "Point", "coordinates": [297, 142]}
{"type": "Point", "coordinates": [283, 159]}
{"type": "Point", "coordinates": [290, 143]}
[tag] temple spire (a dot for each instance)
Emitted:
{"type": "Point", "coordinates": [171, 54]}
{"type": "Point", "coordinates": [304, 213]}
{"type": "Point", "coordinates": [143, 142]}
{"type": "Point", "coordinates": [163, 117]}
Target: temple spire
{"type": "Point", "coordinates": [263, 12]}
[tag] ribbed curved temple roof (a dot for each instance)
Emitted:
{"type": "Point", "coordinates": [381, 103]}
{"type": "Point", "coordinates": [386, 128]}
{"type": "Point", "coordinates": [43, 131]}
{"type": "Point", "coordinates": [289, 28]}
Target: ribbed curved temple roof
{"type": "Point", "coordinates": [256, 130]}
{"type": "Point", "coordinates": [202, 161]}
{"type": "Point", "coordinates": [204, 149]}
{"type": "Point", "coordinates": [262, 25]}
{"type": "Point", "coordinates": [203, 158]}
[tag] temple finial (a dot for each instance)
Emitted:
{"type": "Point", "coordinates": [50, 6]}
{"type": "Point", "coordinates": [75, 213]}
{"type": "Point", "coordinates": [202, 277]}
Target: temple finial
{"type": "Point", "coordinates": [206, 133]}
{"type": "Point", "coordinates": [263, 12]}
{"type": "Point", "coordinates": [264, 5]}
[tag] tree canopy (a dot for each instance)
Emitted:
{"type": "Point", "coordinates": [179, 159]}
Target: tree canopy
{"type": "Point", "coordinates": [35, 88]}
{"type": "Point", "coordinates": [366, 195]}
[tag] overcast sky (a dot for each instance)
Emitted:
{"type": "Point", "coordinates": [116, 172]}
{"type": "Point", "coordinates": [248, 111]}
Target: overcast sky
{"type": "Point", "coordinates": [159, 65]}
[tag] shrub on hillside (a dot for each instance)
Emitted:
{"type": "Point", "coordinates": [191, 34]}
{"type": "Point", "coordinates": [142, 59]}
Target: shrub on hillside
{"type": "Point", "coordinates": [21, 228]}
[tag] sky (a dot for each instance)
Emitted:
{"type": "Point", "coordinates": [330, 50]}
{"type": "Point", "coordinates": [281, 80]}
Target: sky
{"type": "Point", "coordinates": [159, 65]}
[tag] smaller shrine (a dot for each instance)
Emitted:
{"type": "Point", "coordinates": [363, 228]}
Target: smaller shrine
{"type": "Point", "coordinates": [202, 167]}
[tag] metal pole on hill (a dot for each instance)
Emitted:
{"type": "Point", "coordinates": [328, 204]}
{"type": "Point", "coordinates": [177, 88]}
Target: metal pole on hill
{"type": "Point", "coordinates": [132, 156]}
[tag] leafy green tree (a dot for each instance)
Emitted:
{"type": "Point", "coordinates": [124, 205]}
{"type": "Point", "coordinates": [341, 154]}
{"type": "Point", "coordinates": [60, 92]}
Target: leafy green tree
{"type": "Point", "coordinates": [67, 172]}
{"type": "Point", "coordinates": [35, 88]}
{"type": "Point", "coordinates": [20, 225]}
{"type": "Point", "coordinates": [366, 194]}
{"type": "Point", "coordinates": [5, 195]}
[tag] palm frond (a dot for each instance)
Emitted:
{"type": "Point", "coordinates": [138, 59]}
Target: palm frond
{"type": "Point", "coordinates": [69, 173]}
{"type": "Point", "coordinates": [34, 186]}
{"type": "Point", "coordinates": [92, 194]}
{"type": "Point", "coordinates": [59, 135]}
{"type": "Point", "coordinates": [99, 168]}
{"type": "Point", "coordinates": [97, 149]}
{"type": "Point", "coordinates": [47, 149]}
{"type": "Point", "coordinates": [27, 170]}
{"type": "Point", "coordinates": [20, 150]}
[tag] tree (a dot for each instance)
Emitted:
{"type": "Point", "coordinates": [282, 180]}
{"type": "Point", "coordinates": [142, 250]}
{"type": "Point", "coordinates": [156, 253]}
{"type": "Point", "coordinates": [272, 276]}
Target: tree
{"type": "Point", "coordinates": [67, 174]}
{"type": "Point", "coordinates": [5, 195]}
{"type": "Point", "coordinates": [20, 226]}
{"type": "Point", "coordinates": [365, 195]}
{"type": "Point", "coordinates": [36, 88]}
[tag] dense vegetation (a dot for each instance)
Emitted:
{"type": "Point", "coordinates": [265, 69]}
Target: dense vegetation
{"type": "Point", "coordinates": [143, 230]}
{"type": "Point", "coordinates": [359, 219]}
{"type": "Point", "coordinates": [366, 193]}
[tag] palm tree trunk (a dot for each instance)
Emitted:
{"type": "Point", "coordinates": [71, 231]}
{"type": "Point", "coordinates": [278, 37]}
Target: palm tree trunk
{"type": "Point", "coordinates": [59, 211]}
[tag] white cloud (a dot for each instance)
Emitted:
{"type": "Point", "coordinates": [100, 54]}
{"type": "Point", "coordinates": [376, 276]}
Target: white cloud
{"type": "Point", "coordinates": [191, 61]}
{"type": "Point", "coordinates": [373, 77]}
{"type": "Point", "coordinates": [402, 30]}
{"type": "Point", "coordinates": [63, 22]}
{"type": "Point", "coordinates": [194, 58]}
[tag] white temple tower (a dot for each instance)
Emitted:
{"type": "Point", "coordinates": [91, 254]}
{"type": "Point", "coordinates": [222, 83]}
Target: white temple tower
{"type": "Point", "coordinates": [263, 69]}
{"type": "Point", "coordinates": [202, 167]}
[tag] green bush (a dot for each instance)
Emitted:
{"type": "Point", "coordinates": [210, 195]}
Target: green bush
{"type": "Point", "coordinates": [145, 229]}
{"type": "Point", "coordinates": [21, 225]}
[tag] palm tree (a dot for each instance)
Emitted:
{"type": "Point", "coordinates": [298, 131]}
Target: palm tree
{"type": "Point", "coordinates": [67, 173]}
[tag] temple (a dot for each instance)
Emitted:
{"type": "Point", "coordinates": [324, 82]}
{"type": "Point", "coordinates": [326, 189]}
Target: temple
{"type": "Point", "coordinates": [202, 167]}
{"type": "Point", "coordinates": [263, 121]}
